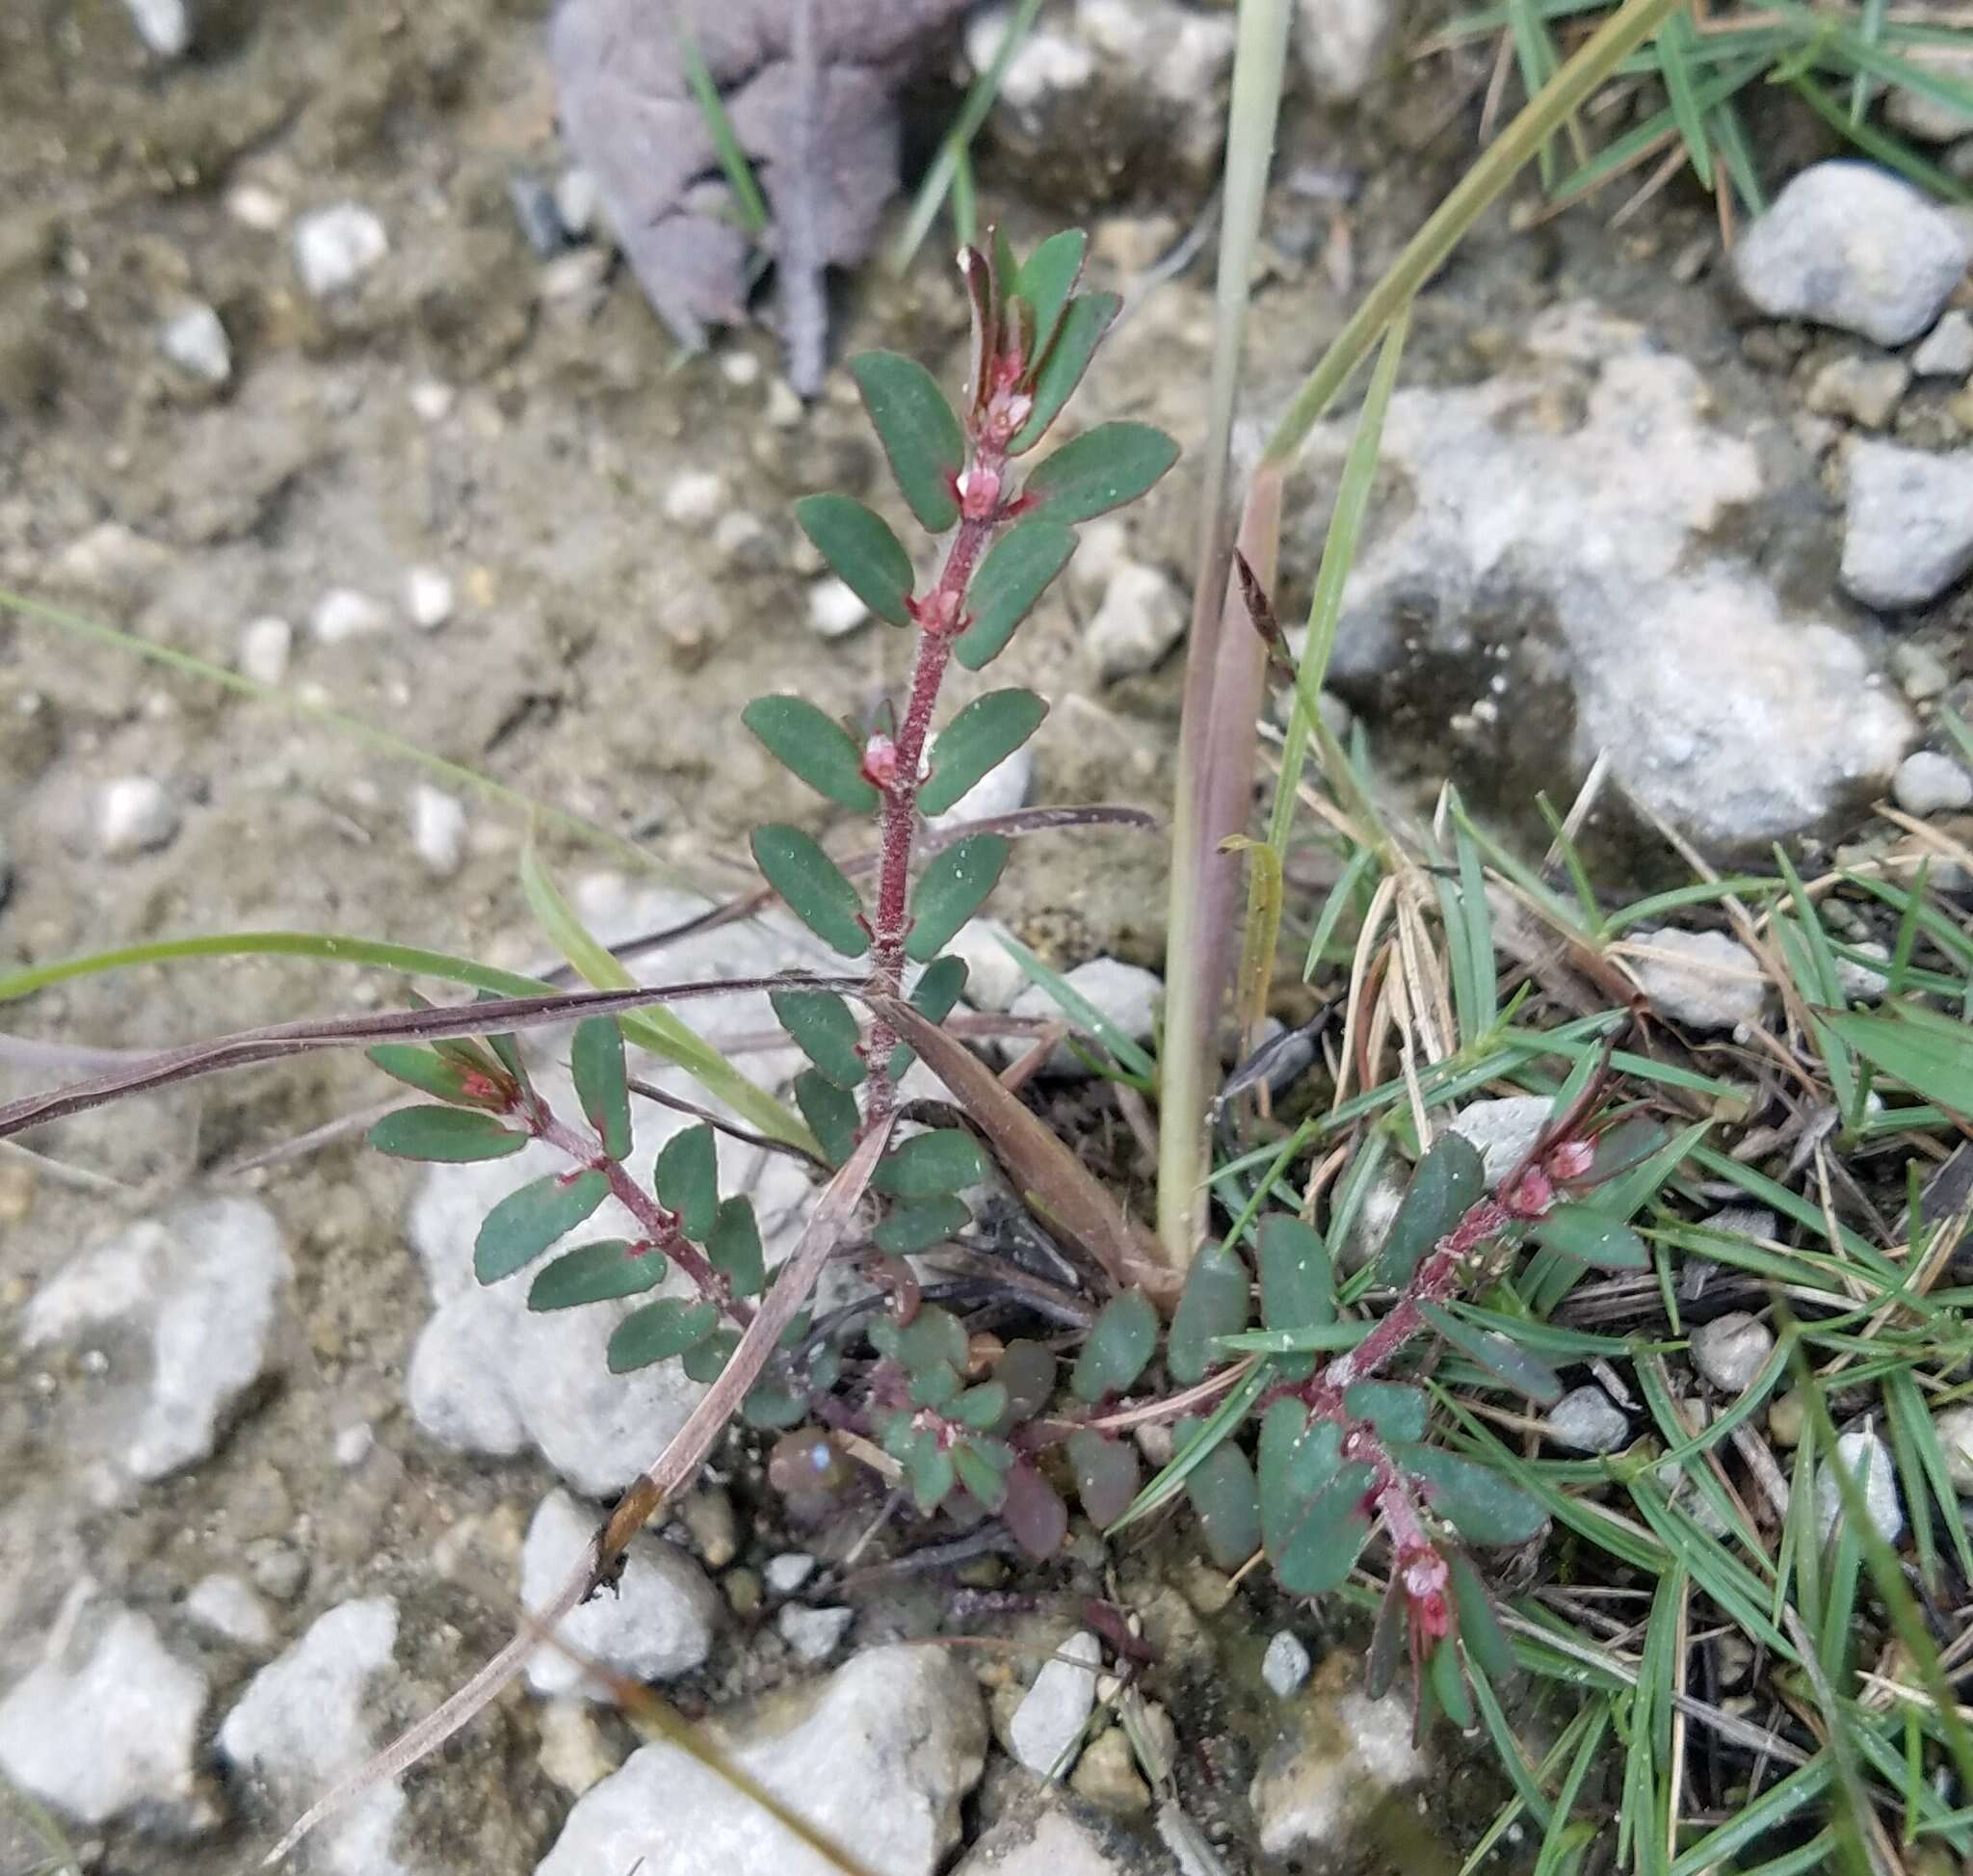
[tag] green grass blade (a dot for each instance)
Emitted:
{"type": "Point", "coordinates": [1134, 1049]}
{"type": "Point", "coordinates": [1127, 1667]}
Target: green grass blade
{"type": "Point", "coordinates": [1893, 152]}
{"type": "Point", "coordinates": [1675, 65]}
{"type": "Point", "coordinates": [1078, 1008]}
{"type": "Point", "coordinates": [750, 203]}
{"type": "Point", "coordinates": [1220, 1423]}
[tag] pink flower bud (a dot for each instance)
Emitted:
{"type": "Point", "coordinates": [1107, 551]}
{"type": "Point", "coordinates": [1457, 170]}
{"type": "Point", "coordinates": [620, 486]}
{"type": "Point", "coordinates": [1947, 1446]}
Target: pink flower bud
{"type": "Point", "coordinates": [979, 492]}
{"type": "Point", "coordinates": [1571, 1160]}
{"type": "Point", "coordinates": [880, 761]}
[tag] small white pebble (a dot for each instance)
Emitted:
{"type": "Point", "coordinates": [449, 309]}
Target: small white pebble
{"type": "Point", "coordinates": [737, 534]}
{"type": "Point", "coordinates": [265, 646]}
{"type": "Point", "coordinates": [1955, 1430]}
{"type": "Point", "coordinates": [135, 814]}
{"type": "Point", "coordinates": [1285, 1666]}
{"type": "Point", "coordinates": [228, 1606]}
{"type": "Point", "coordinates": [788, 1572]}
{"type": "Point", "coordinates": [784, 407]}
{"type": "Point", "coordinates": [335, 247]}
{"type": "Point", "coordinates": [438, 829]}
{"type": "Point", "coordinates": [693, 497]}
{"type": "Point", "coordinates": [1929, 784]}
{"type": "Point", "coordinates": [833, 609]}
{"type": "Point", "coordinates": [163, 25]}
{"type": "Point", "coordinates": [428, 597]}
{"type": "Point", "coordinates": [1730, 1350]}
{"type": "Point", "coordinates": [353, 1445]}
{"type": "Point", "coordinates": [577, 199]}
{"type": "Point", "coordinates": [1586, 1420]}
{"type": "Point", "coordinates": [195, 342]}
{"type": "Point", "coordinates": [1947, 349]}
{"type": "Point", "coordinates": [813, 1634]}
{"type": "Point", "coordinates": [343, 612]}
{"type": "Point", "coordinates": [254, 205]}
{"type": "Point", "coordinates": [740, 369]}
{"type": "Point", "coordinates": [1868, 1460]}
{"type": "Point", "coordinates": [432, 400]}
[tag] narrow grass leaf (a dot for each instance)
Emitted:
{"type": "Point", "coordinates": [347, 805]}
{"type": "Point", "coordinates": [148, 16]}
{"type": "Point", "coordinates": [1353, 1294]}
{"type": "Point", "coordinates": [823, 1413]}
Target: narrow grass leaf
{"type": "Point", "coordinates": [1931, 1054]}
{"type": "Point", "coordinates": [1194, 1450]}
{"type": "Point", "coordinates": [1084, 1014]}
{"type": "Point", "coordinates": [1514, 1367]}
{"type": "Point", "coordinates": [1674, 62]}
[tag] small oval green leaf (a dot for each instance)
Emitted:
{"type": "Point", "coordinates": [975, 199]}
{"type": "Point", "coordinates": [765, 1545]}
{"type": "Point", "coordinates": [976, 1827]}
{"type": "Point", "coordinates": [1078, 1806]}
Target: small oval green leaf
{"type": "Point", "coordinates": [976, 742]}
{"type": "Point", "coordinates": [453, 1134]}
{"type": "Point", "coordinates": [1119, 1344]}
{"type": "Point", "coordinates": [918, 430]}
{"type": "Point", "coordinates": [687, 1179]}
{"type": "Point", "coordinates": [1226, 1501]}
{"type": "Point", "coordinates": [1481, 1505]}
{"type": "Point", "coordinates": [1007, 584]}
{"type": "Point", "coordinates": [1450, 1177]}
{"type": "Point", "coordinates": [1101, 469]}
{"type": "Point", "coordinates": [981, 1408]}
{"type": "Point", "coordinates": [595, 1273]}
{"type": "Point", "coordinates": [733, 1247]}
{"type": "Point", "coordinates": [596, 1061]}
{"type": "Point", "coordinates": [1591, 1237]}
{"type": "Point", "coordinates": [1045, 279]}
{"type": "Point", "coordinates": [1297, 1287]}
{"type": "Point", "coordinates": [951, 890]}
{"type": "Point", "coordinates": [930, 1164]}
{"type": "Point", "coordinates": [1214, 1302]}
{"type": "Point", "coordinates": [705, 1362]}
{"type": "Point", "coordinates": [919, 1227]}
{"type": "Point", "coordinates": [527, 1221]}
{"type": "Point", "coordinates": [814, 747]}
{"type": "Point", "coordinates": [813, 885]}
{"type": "Point", "coordinates": [824, 1030]}
{"type": "Point", "coordinates": [1394, 1412]}
{"type": "Point", "coordinates": [658, 1332]}
{"type": "Point", "coordinates": [863, 552]}
{"type": "Point", "coordinates": [933, 996]}
{"type": "Point", "coordinates": [979, 1474]}
{"type": "Point", "coordinates": [433, 1074]}
{"type": "Point", "coordinates": [830, 1113]}
{"type": "Point", "coordinates": [1079, 331]}
{"type": "Point", "coordinates": [1106, 1474]}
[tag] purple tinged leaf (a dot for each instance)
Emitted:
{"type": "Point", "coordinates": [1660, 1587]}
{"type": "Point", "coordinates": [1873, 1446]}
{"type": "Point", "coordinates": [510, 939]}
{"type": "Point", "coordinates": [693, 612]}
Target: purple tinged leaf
{"type": "Point", "coordinates": [1101, 469]}
{"type": "Point", "coordinates": [451, 1134]}
{"type": "Point", "coordinates": [1035, 1515]}
{"type": "Point", "coordinates": [920, 432]}
{"type": "Point", "coordinates": [1083, 324]}
{"type": "Point", "coordinates": [1106, 1474]}
{"type": "Point", "coordinates": [951, 890]}
{"type": "Point", "coordinates": [1386, 1639]}
{"type": "Point", "coordinates": [433, 1073]}
{"type": "Point", "coordinates": [814, 887]}
{"type": "Point", "coordinates": [595, 1273]}
{"type": "Point", "coordinates": [978, 277]}
{"type": "Point", "coordinates": [1007, 586]}
{"type": "Point", "coordinates": [859, 547]}
{"type": "Point", "coordinates": [1046, 280]}
{"type": "Point", "coordinates": [527, 1221]}
{"type": "Point", "coordinates": [976, 742]}
{"type": "Point", "coordinates": [595, 1063]}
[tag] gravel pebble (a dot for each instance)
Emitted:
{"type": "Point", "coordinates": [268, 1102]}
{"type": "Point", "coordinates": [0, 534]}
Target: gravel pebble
{"type": "Point", "coordinates": [1744, 1221]}
{"type": "Point", "coordinates": [1586, 1420]}
{"type": "Point", "coordinates": [693, 497]}
{"type": "Point", "coordinates": [1908, 523]}
{"type": "Point", "coordinates": [1848, 245]}
{"type": "Point", "coordinates": [833, 609]}
{"type": "Point", "coordinates": [788, 1572]}
{"type": "Point", "coordinates": [342, 613]}
{"type": "Point", "coordinates": [335, 247]}
{"type": "Point", "coordinates": [1730, 1350]}
{"type": "Point", "coordinates": [265, 646]}
{"type": "Point", "coordinates": [108, 1724]}
{"type": "Point", "coordinates": [993, 980]}
{"type": "Point", "coordinates": [1955, 1430]}
{"type": "Point", "coordinates": [164, 26]}
{"type": "Point", "coordinates": [1947, 349]}
{"type": "Point", "coordinates": [1142, 618]}
{"type": "Point", "coordinates": [229, 1606]}
{"type": "Point", "coordinates": [658, 1624]}
{"type": "Point", "coordinates": [1865, 390]}
{"type": "Point", "coordinates": [1502, 1131]}
{"type": "Point", "coordinates": [1921, 672]}
{"type": "Point", "coordinates": [135, 814]}
{"type": "Point", "coordinates": [1929, 784]}
{"type": "Point", "coordinates": [813, 1636]}
{"type": "Point", "coordinates": [429, 598]}
{"type": "Point", "coordinates": [1049, 1722]}
{"type": "Point", "coordinates": [577, 202]}
{"type": "Point", "coordinates": [1868, 1460]}
{"type": "Point", "coordinates": [197, 343]}
{"type": "Point", "coordinates": [1343, 44]}
{"type": "Point", "coordinates": [438, 829]}
{"type": "Point", "coordinates": [1709, 981]}
{"type": "Point", "coordinates": [1285, 1665]}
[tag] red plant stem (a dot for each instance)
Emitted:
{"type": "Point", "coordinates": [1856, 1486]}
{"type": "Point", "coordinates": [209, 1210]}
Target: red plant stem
{"type": "Point", "coordinates": [942, 617]}
{"type": "Point", "coordinates": [657, 1227]}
